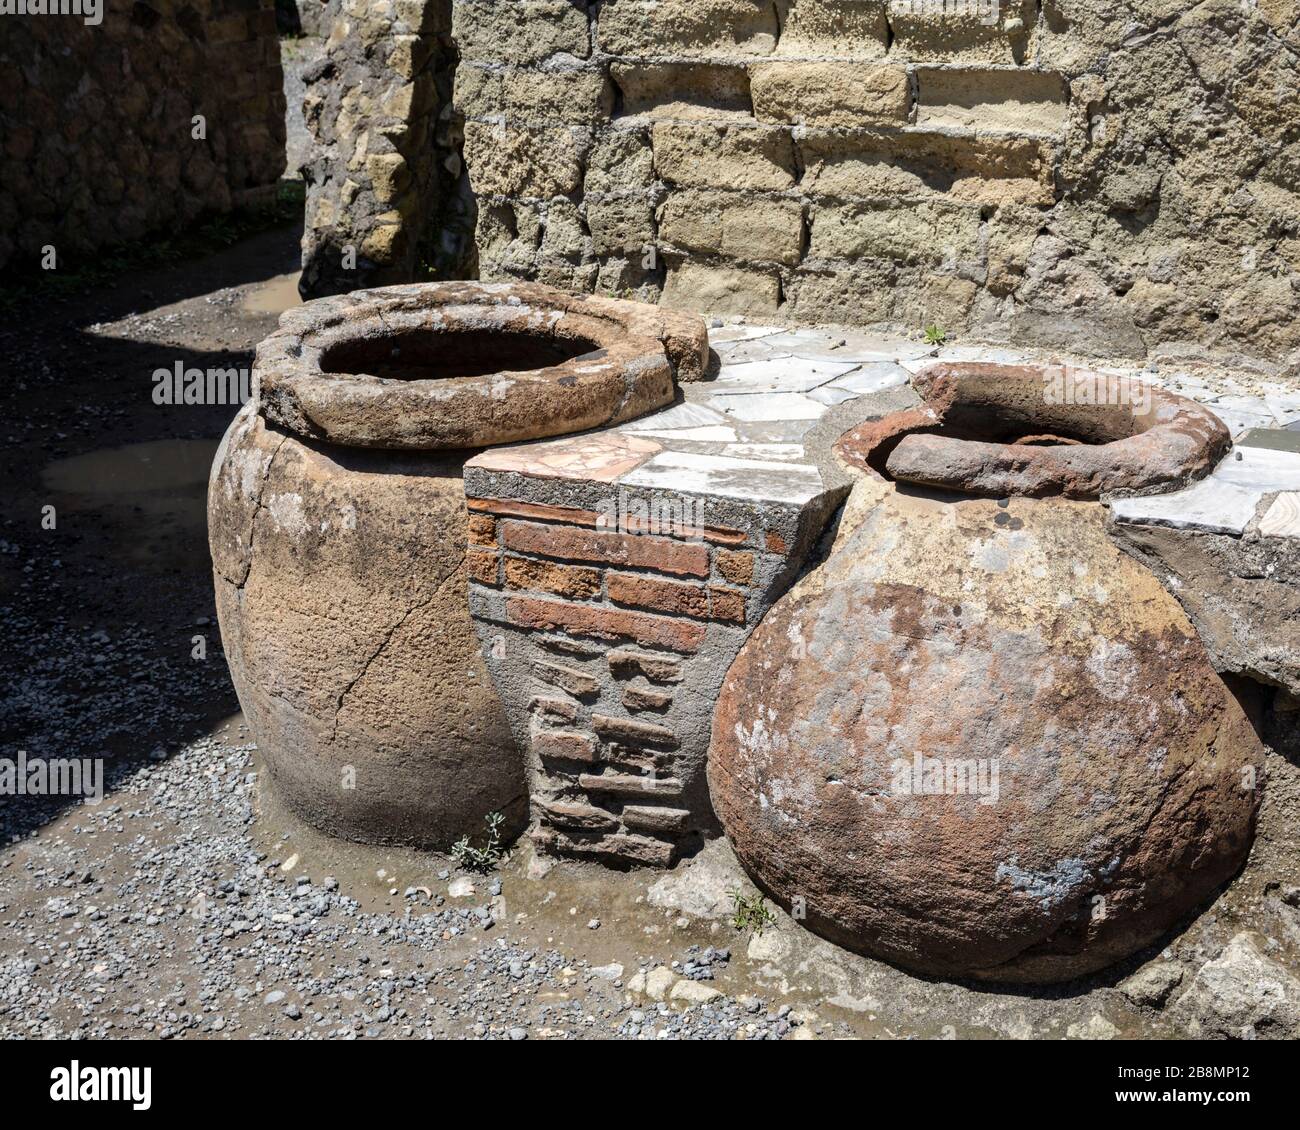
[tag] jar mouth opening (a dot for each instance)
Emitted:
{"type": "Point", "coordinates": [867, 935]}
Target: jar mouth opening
{"type": "Point", "coordinates": [448, 352]}
{"type": "Point", "coordinates": [1036, 431]}
{"type": "Point", "coordinates": [462, 366]}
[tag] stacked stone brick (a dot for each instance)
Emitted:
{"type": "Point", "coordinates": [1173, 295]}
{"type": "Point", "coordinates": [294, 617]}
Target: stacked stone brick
{"type": "Point", "coordinates": [752, 157]}
{"type": "Point", "coordinates": [1010, 171]}
{"type": "Point", "coordinates": [96, 122]}
{"type": "Point", "coordinates": [384, 198]}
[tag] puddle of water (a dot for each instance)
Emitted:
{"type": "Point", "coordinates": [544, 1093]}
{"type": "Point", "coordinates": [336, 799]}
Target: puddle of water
{"type": "Point", "coordinates": [161, 485]}
{"type": "Point", "coordinates": [275, 296]}
{"type": "Point", "coordinates": [137, 468]}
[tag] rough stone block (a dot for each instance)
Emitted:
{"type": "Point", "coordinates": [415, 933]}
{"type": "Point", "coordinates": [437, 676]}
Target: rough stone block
{"type": "Point", "coordinates": [923, 233]}
{"type": "Point", "coordinates": [923, 297]}
{"type": "Point", "coordinates": [914, 165]}
{"type": "Point", "coordinates": [1026, 102]}
{"type": "Point", "coordinates": [564, 236]}
{"type": "Point", "coordinates": [711, 91]}
{"type": "Point", "coordinates": [521, 32]}
{"type": "Point", "coordinates": [847, 29]}
{"type": "Point", "coordinates": [621, 225]}
{"type": "Point", "coordinates": [621, 161]}
{"type": "Point", "coordinates": [860, 293]}
{"type": "Point", "coordinates": [505, 161]}
{"type": "Point", "coordinates": [720, 156]}
{"type": "Point", "coordinates": [534, 97]}
{"type": "Point", "coordinates": [741, 227]}
{"type": "Point", "coordinates": [721, 290]}
{"type": "Point", "coordinates": [648, 28]}
{"type": "Point", "coordinates": [830, 94]}
{"type": "Point", "coordinates": [990, 31]}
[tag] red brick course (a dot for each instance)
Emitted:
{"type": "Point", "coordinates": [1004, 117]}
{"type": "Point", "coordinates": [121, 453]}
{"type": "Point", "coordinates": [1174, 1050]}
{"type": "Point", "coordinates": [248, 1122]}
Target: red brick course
{"type": "Point", "coordinates": [567, 745]}
{"type": "Point", "coordinates": [508, 509]}
{"type": "Point", "coordinates": [641, 552]}
{"type": "Point", "coordinates": [482, 567]}
{"type": "Point", "coordinates": [675, 597]}
{"type": "Point", "coordinates": [482, 529]}
{"type": "Point", "coordinates": [573, 581]}
{"type": "Point", "coordinates": [728, 604]}
{"type": "Point", "coordinates": [684, 636]}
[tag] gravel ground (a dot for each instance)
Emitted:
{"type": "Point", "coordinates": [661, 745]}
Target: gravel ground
{"type": "Point", "coordinates": [157, 913]}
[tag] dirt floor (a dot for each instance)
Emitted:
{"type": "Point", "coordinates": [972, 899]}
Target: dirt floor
{"type": "Point", "coordinates": [187, 904]}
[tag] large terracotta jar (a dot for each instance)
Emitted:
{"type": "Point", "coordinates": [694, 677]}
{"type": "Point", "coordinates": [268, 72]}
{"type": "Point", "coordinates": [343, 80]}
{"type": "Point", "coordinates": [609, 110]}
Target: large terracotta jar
{"type": "Point", "coordinates": [979, 740]}
{"type": "Point", "coordinates": [337, 526]}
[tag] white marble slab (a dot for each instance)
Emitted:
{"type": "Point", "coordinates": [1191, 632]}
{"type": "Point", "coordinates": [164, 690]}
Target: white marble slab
{"type": "Point", "coordinates": [786, 374]}
{"type": "Point", "coordinates": [713, 434]}
{"type": "Point", "coordinates": [728, 335]}
{"type": "Point", "coordinates": [678, 416]}
{"type": "Point", "coordinates": [989, 354]}
{"type": "Point", "coordinates": [1282, 519]}
{"type": "Point", "coordinates": [873, 378]}
{"type": "Point", "coordinates": [1285, 407]}
{"type": "Point", "coordinates": [835, 345]}
{"type": "Point", "coordinates": [831, 395]}
{"type": "Point", "coordinates": [1210, 505]}
{"type": "Point", "coordinates": [753, 479]}
{"type": "Point", "coordinates": [769, 406]}
{"type": "Point", "coordinates": [1260, 469]}
{"type": "Point", "coordinates": [781, 452]}
{"type": "Point", "coordinates": [1241, 413]}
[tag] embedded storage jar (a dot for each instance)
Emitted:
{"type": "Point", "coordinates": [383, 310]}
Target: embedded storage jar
{"type": "Point", "coordinates": [337, 525]}
{"type": "Point", "coordinates": [979, 740]}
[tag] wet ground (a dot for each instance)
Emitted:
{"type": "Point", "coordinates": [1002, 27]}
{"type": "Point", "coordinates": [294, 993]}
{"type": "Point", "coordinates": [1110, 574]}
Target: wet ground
{"type": "Point", "coordinates": [188, 904]}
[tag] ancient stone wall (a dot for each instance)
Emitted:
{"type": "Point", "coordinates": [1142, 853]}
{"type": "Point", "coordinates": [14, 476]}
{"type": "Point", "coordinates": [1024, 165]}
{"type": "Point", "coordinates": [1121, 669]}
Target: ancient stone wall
{"type": "Point", "coordinates": [387, 197]}
{"type": "Point", "coordinates": [97, 142]}
{"type": "Point", "coordinates": [1110, 176]}
{"type": "Point", "coordinates": [308, 17]}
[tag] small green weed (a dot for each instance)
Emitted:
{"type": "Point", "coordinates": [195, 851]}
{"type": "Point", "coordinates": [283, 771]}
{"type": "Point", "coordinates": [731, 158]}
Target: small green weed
{"type": "Point", "coordinates": [750, 913]}
{"type": "Point", "coordinates": [470, 858]}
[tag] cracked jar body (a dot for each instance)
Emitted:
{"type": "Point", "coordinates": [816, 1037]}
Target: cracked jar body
{"type": "Point", "coordinates": [341, 593]}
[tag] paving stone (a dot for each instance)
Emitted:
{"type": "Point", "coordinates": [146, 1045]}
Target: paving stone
{"type": "Point", "coordinates": [1283, 518]}
{"type": "Point", "coordinates": [764, 406]}
{"type": "Point", "coordinates": [694, 435]}
{"type": "Point", "coordinates": [1209, 505]}
{"type": "Point", "coordinates": [686, 415]}
{"type": "Point", "coordinates": [733, 478]}
{"type": "Point", "coordinates": [792, 374]}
